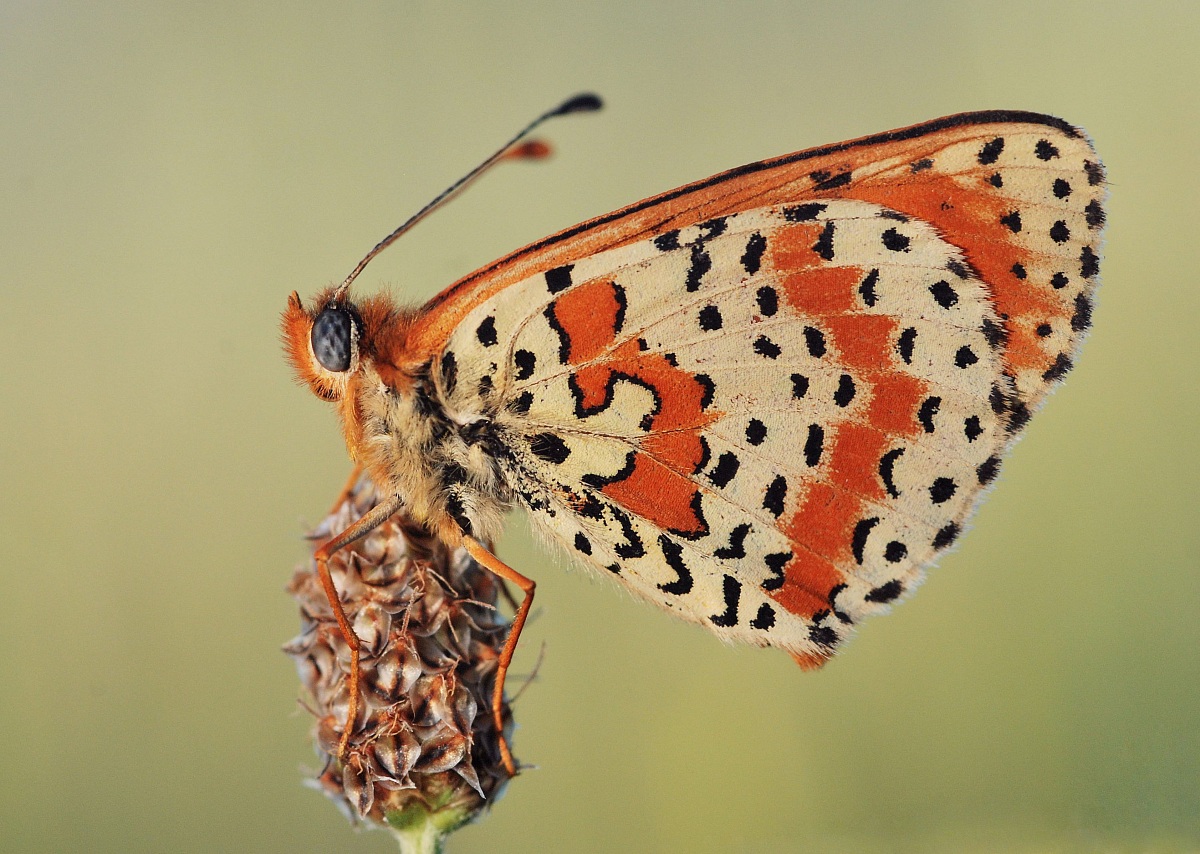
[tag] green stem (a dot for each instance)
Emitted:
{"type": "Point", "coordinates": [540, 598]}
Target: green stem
{"type": "Point", "coordinates": [421, 836]}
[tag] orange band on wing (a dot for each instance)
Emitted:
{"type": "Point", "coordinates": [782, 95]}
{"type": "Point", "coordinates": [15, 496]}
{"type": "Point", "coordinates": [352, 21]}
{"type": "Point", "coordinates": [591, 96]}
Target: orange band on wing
{"type": "Point", "coordinates": [659, 495]}
{"type": "Point", "coordinates": [589, 317]}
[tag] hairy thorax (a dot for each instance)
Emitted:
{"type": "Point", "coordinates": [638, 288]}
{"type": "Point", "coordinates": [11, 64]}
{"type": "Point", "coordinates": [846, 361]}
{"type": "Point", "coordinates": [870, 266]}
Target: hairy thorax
{"type": "Point", "coordinates": [437, 458]}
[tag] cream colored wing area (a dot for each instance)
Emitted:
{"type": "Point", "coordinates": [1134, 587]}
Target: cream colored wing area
{"type": "Point", "coordinates": [768, 424]}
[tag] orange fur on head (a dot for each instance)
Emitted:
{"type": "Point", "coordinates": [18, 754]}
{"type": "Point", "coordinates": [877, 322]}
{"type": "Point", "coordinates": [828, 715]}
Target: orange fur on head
{"type": "Point", "coordinates": [380, 351]}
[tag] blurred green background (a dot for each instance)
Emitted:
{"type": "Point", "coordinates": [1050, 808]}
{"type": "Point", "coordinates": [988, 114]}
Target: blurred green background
{"type": "Point", "coordinates": [170, 172]}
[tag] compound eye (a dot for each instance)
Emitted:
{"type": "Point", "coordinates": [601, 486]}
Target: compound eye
{"type": "Point", "coordinates": [331, 333]}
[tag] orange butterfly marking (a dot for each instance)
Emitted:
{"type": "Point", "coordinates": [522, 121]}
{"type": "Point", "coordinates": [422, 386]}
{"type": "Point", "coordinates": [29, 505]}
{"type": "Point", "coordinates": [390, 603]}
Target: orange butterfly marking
{"type": "Point", "coordinates": [588, 320]}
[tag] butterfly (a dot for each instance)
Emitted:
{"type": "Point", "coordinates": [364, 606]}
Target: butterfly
{"type": "Point", "coordinates": [765, 401]}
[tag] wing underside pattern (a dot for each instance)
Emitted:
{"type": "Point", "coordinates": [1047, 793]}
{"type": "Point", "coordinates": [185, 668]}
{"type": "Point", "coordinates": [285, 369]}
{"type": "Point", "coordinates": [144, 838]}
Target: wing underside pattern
{"type": "Point", "coordinates": [771, 421]}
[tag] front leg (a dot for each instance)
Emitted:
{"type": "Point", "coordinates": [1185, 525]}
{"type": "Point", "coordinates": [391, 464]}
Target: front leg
{"type": "Point", "coordinates": [373, 519]}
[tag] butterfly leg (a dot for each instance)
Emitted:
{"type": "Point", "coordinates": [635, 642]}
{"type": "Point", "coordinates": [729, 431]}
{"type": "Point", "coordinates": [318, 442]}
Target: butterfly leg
{"type": "Point", "coordinates": [348, 489]}
{"type": "Point", "coordinates": [506, 573]}
{"type": "Point", "coordinates": [373, 519]}
{"type": "Point", "coordinates": [504, 591]}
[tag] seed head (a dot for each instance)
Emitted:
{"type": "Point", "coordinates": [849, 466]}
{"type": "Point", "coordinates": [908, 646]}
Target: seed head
{"type": "Point", "coordinates": [424, 755]}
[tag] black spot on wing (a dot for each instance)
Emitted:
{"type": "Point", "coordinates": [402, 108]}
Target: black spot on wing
{"type": "Point", "coordinates": [775, 496]}
{"type": "Point", "coordinates": [564, 340]}
{"type": "Point", "coordinates": [732, 590]}
{"type": "Point", "coordinates": [845, 391]}
{"type": "Point", "coordinates": [803, 213]}
{"type": "Point", "coordinates": [1082, 318]}
{"type": "Point", "coordinates": [725, 470]}
{"type": "Point", "coordinates": [990, 152]}
{"type": "Point", "coordinates": [525, 362]}
{"type": "Point", "coordinates": [894, 241]}
{"type": "Point", "coordinates": [701, 263]}
{"type": "Point", "coordinates": [1059, 369]}
{"type": "Point", "coordinates": [767, 348]}
{"type": "Point", "coordinates": [929, 408]}
{"type": "Point", "coordinates": [866, 289]}
{"type": "Point", "coordinates": [958, 268]}
{"type": "Point", "coordinates": [736, 550]}
{"type": "Point", "coordinates": [705, 456]}
{"type": "Point", "coordinates": [775, 563]}
{"type": "Point", "coordinates": [885, 593]}
{"type": "Point", "coordinates": [972, 429]}
{"type": "Point", "coordinates": [672, 553]}
{"type": "Point", "coordinates": [887, 465]}
{"type": "Point", "coordinates": [824, 636]}
{"type": "Point", "coordinates": [1018, 415]}
{"type": "Point", "coordinates": [709, 387]}
{"type": "Point", "coordinates": [752, 257]}
{"type": "Point", "coordinates": [824, 245]}
{"type": "Point", "coordinates": [1012, 220]}
{"type": "Point", "coordinates": [965, 357]}
{"type": "Point", "coordinates": [904, 344]}
{"type": "Point", "coordinates": [768, 301]}
{"type": "Point", "coordinates": [559, 279]}
{"type": "Point", "coordinates": [486, 333]}
{"type": "Point", "coordinates": [710, 318]}
{"type": "Point", "coordinates": [549, 447]}
{"type": "Point", "coordinates": [943, 294]}
{"type": "Point", "coordinates": [946, 535]}
{"type": "Point", "coordinates": [597, 481]}
{"type": "Point", "coordinates": [814, 445]}
{"type": "Point", "coordinates": [994, 333]}
{"type": "Point", "coordinates": [521, 403]}
{"type": "Point", "coordinates": [858, 542]}
{"type": "Point", "coordinates": [756, 432]}
{"type": "Point", "coordinates": [632, 546]}
{"type": "Point", "coordinates": [942, 490]}
{"type": "Point", "coordinates": [1089, 262]}
{"type": "Point", "coordinates": [988, 470]}
{"type": "Point", "coordinates": [814, 340]}
{"type": "Point", "coordinates": [667, 241]}
{"type": "Point", "coordinates": [1045, 150]}
{"type": "Point", "coordinates": [765, 618]}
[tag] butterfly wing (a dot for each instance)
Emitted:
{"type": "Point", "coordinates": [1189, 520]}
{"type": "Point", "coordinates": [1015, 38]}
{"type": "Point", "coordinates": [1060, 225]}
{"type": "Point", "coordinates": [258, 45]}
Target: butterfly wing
{"type": "Point", "coordinates": [766, 401]}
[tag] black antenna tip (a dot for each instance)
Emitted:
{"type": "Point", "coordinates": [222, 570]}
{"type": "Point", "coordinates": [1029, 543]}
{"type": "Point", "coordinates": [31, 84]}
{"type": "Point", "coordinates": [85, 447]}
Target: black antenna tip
{"type": "Point", "coordinates": [586, 103]}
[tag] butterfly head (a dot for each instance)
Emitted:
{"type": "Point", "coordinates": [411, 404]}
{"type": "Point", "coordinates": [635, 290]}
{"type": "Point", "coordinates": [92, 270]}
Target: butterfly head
{"type": "Point", "coordinates": [338, 346]}
{"type": "Point", "coordinates": [324, 342]}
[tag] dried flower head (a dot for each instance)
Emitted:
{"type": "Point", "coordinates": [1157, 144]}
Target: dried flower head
{"type": "Point", "coordinates": [424, 755]}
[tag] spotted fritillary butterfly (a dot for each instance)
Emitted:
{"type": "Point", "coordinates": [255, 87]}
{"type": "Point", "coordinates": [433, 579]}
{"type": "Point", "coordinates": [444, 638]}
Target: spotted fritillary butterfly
{"type": "Point", "coordinates": [765, 401]}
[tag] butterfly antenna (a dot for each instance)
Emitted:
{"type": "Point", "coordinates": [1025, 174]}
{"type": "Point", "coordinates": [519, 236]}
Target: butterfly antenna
{"type": "Point", "coordinates": [584, 103]}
